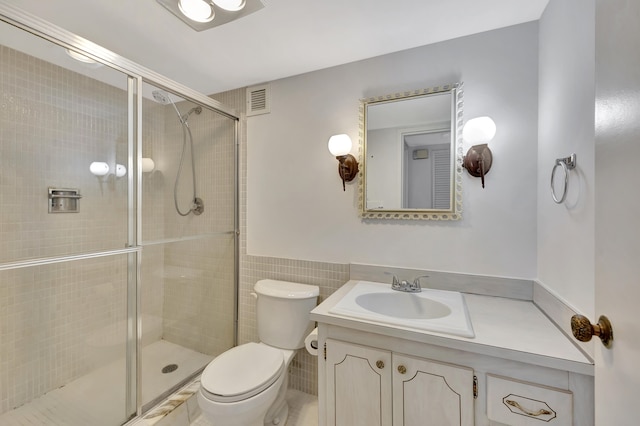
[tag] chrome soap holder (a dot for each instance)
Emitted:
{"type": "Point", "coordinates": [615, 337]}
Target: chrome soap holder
{"type": "Point", "coordinates": [64, 200]}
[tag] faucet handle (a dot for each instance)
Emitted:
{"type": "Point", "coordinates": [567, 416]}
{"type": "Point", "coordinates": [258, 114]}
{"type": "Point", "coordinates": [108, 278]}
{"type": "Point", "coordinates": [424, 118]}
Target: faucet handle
{"type": "Point", "coordinates": [416, 281]}
{"type": "Point", "coordinates": [396, 281]}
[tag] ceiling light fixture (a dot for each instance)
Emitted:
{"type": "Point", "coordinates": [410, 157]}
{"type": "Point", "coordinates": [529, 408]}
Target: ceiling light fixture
{"type": "Point", "coordinates": [230, 5]}
{"type": "Point", "coordinates": [205, 14]}
{"type": "Point", "coordinates": [197, 10]}
{"type": "Point", "coordinates": [80, 57]}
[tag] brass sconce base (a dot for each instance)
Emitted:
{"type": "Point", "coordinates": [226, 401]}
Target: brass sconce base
{"type": "Point", "coordinates": [478, 161]}
{"type": "Point", "coordinates": [347, 169]}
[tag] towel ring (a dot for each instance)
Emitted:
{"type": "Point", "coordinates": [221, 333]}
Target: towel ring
{"type": "Point", "coordinates": [567, 163]}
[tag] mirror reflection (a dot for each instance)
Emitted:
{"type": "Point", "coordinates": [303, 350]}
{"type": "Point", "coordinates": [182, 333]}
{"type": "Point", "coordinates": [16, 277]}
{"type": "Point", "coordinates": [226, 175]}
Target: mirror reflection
{"type": "Point", "coordinates": [410, 154]}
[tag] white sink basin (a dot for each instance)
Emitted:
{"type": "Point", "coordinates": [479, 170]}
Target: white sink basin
{"type": "Point", "coordinates": [403, 305]}
{"type": "Point", "coordinates": [440, 311]}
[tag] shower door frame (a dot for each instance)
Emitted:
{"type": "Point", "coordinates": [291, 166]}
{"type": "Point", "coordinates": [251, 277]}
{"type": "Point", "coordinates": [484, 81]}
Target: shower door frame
{"type": "Point", "coordinates": [136, 75]}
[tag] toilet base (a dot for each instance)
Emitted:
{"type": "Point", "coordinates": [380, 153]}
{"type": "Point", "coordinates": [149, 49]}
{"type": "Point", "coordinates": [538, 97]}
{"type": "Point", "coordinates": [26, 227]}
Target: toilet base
{"type": "Point", "coordinates": [279, 410]}
{"type": "Point", "coordinates": [264, 409]}
{"type": "Point", "coordinates": [279, 416]}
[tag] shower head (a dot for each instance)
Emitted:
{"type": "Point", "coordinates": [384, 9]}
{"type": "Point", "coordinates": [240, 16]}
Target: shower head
{"type": "Point", "coordinates": [162, 97]}
{"type": "Point", "coordinates": [165, 99]}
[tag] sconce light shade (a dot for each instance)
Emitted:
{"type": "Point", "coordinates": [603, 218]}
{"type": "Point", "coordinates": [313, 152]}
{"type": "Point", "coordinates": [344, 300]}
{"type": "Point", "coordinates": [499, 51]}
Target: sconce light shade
{"type": "Point", "coordinates": [147, 165]}
{"type": "Point", "coordinates": [121, 170]}
{"type": "Point", "coordinates": [340, 145]}
{"type": "Point", "coordinates": [479, 130]}
{"type": "Point", "coordinates": [479, 158]}
{"type": "Point", "coordinates": [99, 168]}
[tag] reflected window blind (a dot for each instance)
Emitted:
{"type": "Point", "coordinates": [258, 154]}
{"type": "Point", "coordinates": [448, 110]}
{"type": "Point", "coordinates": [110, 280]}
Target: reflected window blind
{"type": "Point", "coordinates": [441, 176]}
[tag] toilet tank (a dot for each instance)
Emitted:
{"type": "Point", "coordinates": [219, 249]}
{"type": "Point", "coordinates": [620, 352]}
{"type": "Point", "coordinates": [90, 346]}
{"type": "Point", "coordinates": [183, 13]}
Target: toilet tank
{"type": "Point", "coordinates": [283, 312]}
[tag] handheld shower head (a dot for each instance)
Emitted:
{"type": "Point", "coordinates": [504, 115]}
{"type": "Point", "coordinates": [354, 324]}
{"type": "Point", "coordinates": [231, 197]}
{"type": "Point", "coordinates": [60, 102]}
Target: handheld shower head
{"type": "Point", "coordinates": [197, 110]}
{"type": "Point", "coordinates": [197, 206]}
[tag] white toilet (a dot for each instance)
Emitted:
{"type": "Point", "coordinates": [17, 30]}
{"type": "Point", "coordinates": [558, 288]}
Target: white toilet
{"type": "Point", "coordinates": [247, 385]}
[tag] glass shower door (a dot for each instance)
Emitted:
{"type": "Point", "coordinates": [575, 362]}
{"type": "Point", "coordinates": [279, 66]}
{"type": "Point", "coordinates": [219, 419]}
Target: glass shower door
{"type": "Point", "coordinates": [188, 224]}
{"type": "Point", "coordinates": [65, 246]}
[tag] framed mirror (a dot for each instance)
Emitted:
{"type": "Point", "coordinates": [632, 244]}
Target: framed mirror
{"type": "Point", "coordinates": [411, 155]}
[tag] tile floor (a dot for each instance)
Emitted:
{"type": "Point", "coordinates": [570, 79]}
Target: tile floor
{"type": "Point", "coordinates": [70, 406]}
{"type": "Point", "coordinates": [303, 411]}
{"type": "Point", "coordinates": [97, 399]}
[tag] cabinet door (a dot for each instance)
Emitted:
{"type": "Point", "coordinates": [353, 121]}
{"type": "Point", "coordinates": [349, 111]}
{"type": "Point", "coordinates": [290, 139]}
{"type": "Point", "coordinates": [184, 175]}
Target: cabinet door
{"type": "Point", "coordinates": [429, 393]}
{"type": "Point", "coordinates": [358, 385]}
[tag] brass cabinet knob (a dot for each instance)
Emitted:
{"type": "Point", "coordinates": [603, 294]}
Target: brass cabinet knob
{"type": "Point", "coordinates": [583, 330]}
{"type": "Point", "coordinates": [380, 364]}
{"type": "Point", "coordinates": [402, 369]}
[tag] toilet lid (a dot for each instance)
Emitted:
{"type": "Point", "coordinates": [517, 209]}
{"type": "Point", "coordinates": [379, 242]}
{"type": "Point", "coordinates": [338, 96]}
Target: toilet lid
{"type": "Point", "coordinates": [242, 372]}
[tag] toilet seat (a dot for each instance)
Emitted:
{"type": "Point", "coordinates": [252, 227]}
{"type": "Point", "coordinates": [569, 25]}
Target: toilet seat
{"type": "Point", "coordinates": [242, 372]}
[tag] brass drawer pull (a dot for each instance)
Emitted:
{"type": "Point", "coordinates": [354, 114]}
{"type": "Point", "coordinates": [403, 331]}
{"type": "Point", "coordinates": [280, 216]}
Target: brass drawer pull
{"type": "Point", "coordinates": [540, 412]}
{"type": "Point", "coordinates": [380, 364]}
{"type": "Point", "coordinates": [402, 369]}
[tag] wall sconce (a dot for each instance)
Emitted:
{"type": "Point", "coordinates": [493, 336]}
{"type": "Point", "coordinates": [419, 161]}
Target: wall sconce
{"type": "Point", "coordinates": [147, 165]}
{"type": "Point", "coordinates": [121, 170]}
{"type": "Point", "coordinates": [340, 145]}
{"type": "Point", "coordinates": [99, 168]}
{"type": "Point", "coordinates": [478, 131]}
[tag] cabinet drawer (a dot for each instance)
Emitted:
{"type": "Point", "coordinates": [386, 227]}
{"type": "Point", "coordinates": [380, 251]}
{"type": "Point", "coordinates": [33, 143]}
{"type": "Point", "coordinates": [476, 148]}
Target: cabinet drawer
{"type": "Point", "coordinates": [517, 403]}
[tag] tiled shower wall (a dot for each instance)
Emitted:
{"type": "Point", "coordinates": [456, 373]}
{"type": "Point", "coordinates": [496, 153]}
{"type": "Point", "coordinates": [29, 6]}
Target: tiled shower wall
{"type": "Point", "coordinates": [303, 373]}
{"type": "Point", "coordinates": [54, 124]}
{"type": "Point", "coordinates": [196, 273]}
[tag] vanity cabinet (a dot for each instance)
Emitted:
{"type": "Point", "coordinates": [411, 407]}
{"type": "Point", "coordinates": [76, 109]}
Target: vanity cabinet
{"type": "Point", "coordinates": [518, 370]}
{"type": "Point", "coordinates": [368, 386]}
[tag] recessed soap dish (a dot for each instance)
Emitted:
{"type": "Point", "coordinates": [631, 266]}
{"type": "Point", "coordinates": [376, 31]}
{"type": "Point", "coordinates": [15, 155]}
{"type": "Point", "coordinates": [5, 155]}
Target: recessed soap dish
{"type": "Point", "coordinates": [64, 200]}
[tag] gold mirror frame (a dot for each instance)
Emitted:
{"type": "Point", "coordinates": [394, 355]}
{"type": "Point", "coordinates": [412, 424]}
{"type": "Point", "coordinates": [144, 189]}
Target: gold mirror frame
{"type": "Point", "coordinates": [455, 210]}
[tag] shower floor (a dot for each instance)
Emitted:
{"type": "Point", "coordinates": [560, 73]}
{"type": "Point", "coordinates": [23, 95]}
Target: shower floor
{"type": "Point", "coordinates": [97, 399]}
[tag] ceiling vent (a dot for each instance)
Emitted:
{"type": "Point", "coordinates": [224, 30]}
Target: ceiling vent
{"type": "Point", "coordinates": [258, 100]}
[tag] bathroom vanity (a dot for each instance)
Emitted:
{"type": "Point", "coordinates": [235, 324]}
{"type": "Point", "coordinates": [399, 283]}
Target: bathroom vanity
{"type": "Point", "coordinates": [518, 369]}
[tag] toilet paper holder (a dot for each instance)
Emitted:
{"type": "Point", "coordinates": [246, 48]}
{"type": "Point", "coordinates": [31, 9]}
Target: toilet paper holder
{"type": "Point", "coordinates": [311, 342]}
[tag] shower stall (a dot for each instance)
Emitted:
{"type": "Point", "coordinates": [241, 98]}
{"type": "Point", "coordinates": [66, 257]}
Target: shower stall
{"type": "Point", "coordinates": [118, 230]}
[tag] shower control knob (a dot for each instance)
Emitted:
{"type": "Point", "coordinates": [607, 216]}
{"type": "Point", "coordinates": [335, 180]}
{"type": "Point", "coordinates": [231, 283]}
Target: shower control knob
{"type": "Point", "coordinates": [198, 206]}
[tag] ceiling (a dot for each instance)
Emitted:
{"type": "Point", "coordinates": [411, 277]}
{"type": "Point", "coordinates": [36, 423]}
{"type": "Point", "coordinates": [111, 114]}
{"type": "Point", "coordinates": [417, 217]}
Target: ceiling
{"type": "Point", "coordinates": [286, 37]}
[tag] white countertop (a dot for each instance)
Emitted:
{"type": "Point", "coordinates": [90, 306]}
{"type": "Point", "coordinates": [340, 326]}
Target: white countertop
{"type": "Point", "coordinates": [505, 328]}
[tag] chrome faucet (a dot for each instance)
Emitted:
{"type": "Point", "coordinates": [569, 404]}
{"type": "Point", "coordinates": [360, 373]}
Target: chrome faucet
{"type": "Point", "coordinates": [405, 285]}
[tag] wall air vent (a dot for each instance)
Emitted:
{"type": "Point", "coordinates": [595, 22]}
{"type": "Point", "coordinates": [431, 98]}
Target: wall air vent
{"type": "Point", "coordinates": [258, 100]}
